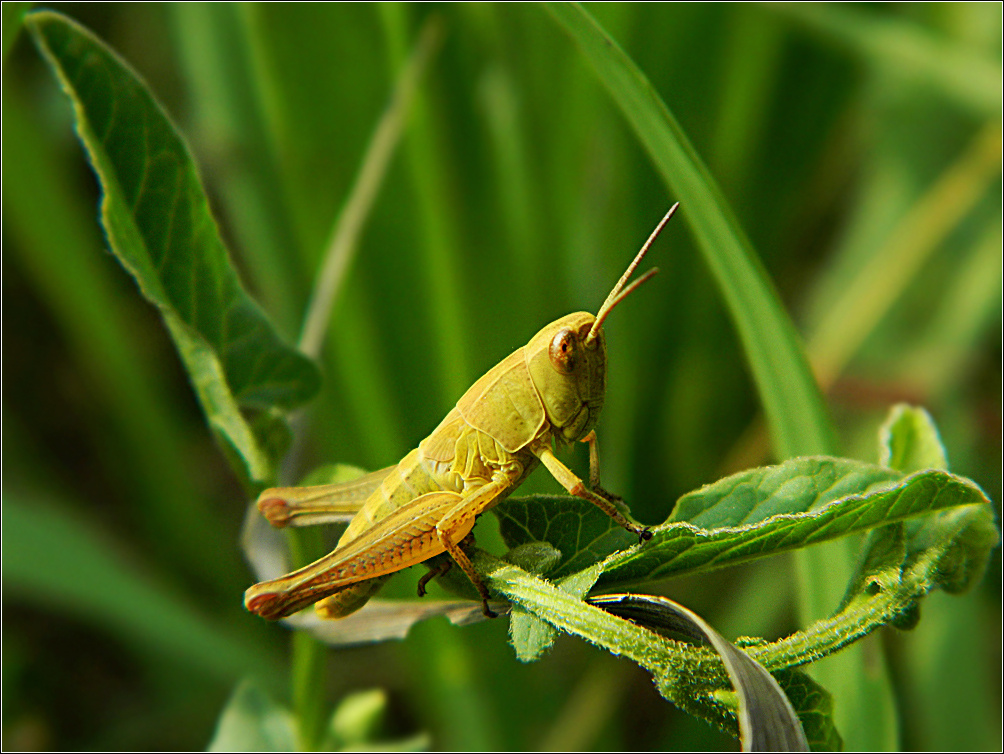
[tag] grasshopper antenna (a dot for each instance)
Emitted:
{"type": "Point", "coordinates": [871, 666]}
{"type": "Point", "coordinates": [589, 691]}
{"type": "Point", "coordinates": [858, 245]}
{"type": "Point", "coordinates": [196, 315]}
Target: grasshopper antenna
{"type": "Point", "coordinates": [617, 294]}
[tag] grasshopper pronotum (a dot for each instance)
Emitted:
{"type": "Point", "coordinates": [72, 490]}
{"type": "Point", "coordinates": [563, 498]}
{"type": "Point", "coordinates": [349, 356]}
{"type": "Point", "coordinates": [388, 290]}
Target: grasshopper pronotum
{"type": "Point", "coordinates": [551, 389]}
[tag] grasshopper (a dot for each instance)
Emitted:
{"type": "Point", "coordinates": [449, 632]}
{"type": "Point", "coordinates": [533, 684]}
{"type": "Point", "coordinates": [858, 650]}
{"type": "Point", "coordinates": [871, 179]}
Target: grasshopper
{"type": "Point", "coordinates": [550, 390]}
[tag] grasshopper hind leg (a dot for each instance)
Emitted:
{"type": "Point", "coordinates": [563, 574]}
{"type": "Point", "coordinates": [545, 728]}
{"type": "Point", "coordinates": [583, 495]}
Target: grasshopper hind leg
{"type": "Point", "coordinates": [348, 599]}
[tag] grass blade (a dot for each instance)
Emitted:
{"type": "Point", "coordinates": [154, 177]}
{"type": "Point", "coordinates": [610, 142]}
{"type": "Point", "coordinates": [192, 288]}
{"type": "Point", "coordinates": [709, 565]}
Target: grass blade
{"type": "Point", "coordinates": [795, 411]}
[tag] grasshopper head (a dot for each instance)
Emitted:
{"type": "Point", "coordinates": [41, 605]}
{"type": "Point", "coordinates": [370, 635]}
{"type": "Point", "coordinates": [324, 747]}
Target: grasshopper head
{"type": "Point", "coordinates": [568, 358]}
{"type": "Point", "coordinates": [569, 370]}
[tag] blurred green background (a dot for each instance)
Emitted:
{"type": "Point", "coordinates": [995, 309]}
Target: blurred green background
{"type": "Point", "coordinates": [858, 145]}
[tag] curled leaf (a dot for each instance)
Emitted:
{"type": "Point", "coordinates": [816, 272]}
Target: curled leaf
{"type": "Point", "coordinates": [767, 721]}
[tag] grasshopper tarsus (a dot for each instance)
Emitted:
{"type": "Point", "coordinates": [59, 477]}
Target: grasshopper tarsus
{"type": "Point", "coordinates": [644, 535]}
{"type": "Point", "coordinates": [488, 612]}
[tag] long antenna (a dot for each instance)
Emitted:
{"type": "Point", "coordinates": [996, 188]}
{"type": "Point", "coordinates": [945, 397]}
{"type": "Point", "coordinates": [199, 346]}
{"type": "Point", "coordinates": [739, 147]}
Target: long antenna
{"type": "Point", "coordinates": [617, 295]}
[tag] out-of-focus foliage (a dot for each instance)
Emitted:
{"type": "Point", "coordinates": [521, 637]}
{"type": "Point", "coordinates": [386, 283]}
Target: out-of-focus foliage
{"type": "Point", "coordinates": [858, 146]}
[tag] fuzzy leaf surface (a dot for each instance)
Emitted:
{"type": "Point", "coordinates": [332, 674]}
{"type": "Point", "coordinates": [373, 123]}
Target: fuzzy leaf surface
{"type": "Point", "coordinates": [777, 508]}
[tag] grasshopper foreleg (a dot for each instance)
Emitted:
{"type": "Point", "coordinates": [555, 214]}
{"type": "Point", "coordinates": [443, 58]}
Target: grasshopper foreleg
{"type": "Point", "coordinates": [594, 469]}
{"type": "Point", "coordinates": [574, 485]}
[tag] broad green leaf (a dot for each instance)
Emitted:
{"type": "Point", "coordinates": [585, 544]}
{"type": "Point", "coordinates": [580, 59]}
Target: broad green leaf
{"type": "Point", "coordinates": [909, 441]}
{"type": "Point", "coordinates": [531, 636]}
{"type": "Point", "coordinates": [580, 533]}
{"type": "Point", "coordinates": [159, 225]}
{"type": "Point", "coordinates": [891, 584]}
{"type": "Point", "coordinates": [253, 721]}
{"type": "Point", "coordinates": [53, 559]}
{"type": "Point", "coordinates": [777, 508]}
{"type": "Point", "coordinates": [802, 484]}
{"type": "Point", "coordinates": [958, 541]}
{"type": "Point", "coordinates": [794, 407]}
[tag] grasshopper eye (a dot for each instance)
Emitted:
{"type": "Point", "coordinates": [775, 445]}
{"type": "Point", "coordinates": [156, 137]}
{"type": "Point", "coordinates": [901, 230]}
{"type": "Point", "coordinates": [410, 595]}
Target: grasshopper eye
{"type": "Point", "coordinates": [564, 351]}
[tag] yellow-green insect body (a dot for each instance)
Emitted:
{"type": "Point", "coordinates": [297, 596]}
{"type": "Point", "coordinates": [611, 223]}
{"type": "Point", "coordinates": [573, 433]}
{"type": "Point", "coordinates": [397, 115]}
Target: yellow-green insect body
{"type": "Point", "coordinates": [551, 389]}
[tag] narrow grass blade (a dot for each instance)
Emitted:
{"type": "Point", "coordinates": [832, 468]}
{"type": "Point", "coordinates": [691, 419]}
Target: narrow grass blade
{"type": "Point", "coordinates": [795, 412]}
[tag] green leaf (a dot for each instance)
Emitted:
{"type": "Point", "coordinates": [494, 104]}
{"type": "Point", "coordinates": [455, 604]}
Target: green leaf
{"type": "Point", "coordinates": [532, 637]}
{"type": "Point", "coordinates": [767, 721]}
{"type": "Point", "coordinates": [776, 508]}
{"type": "Point", "coordinates": [954, 545]}
{"type": "Point", "coordinates": [909, 441]}
{"type": "Point", "coordinates": [568, 524]}
{"type": "Point", "coordinates": [252, 721]}
{"type": "Point", "coordinates": [814, 706]}
{"type": "Point", "coordinates": [689, 676]}
{"type": "Point", "coordinates": [794, 407]}
{"type": "Point", "coordinates": [159, 225]}
{"type": "Point", "coordinates": [751, 496]}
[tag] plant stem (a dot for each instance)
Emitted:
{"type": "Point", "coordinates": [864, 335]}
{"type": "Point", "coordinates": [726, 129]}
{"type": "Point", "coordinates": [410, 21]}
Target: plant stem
{"type": "Point", "coordinates": [307, 671]}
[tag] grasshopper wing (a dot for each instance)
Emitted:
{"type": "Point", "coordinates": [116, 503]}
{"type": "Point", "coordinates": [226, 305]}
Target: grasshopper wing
{"type": "Point", "coordinates": [320, 504]}
{"type": "Point", "coordinates": [405, 538]}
